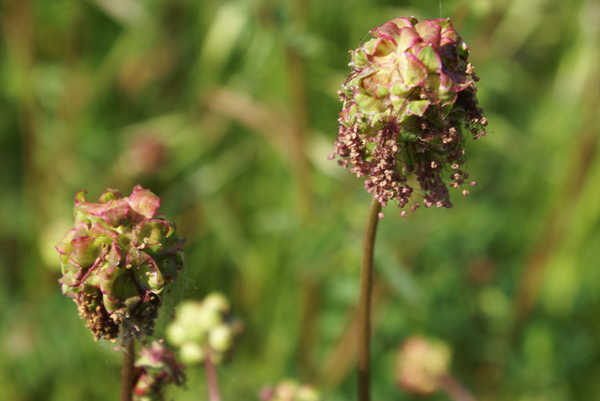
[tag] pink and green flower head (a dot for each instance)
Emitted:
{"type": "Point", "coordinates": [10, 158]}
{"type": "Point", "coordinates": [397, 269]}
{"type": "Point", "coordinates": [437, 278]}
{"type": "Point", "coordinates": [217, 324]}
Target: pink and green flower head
{"type": "Point", "coordinates": [405, 105]}
{"type": "Point", "coordinates": [118, 260]}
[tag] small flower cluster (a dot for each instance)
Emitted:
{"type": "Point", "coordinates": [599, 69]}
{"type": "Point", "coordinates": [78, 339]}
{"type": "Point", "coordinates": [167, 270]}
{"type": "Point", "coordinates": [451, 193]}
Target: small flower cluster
{"type": "Point", "coordinates": [156, 368]}
{"type": "Point", "coordinates": [406, 102]}
{"type": "Point", "coordinates": [420, 365]}
{"type": "Point", "coordinates": [117, 261]}
{"type": "Point", "coordinates": [203, 329]}
{"type": "Point", "coordinates": [289, 390]}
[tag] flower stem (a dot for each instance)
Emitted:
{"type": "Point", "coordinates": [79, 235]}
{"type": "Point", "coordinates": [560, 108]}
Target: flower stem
{"type": "Point", "coordinates": [127, 370]}
{"type": "Point", "coordinates": [364, 307]}
{"type": "Point", "coordinates": [211, 380]}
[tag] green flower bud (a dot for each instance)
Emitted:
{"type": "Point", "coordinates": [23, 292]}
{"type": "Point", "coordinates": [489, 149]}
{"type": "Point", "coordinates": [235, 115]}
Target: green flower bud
{"type": "Point", "coordinates": [216, 301]}
{"type": "Point", "coordinates": [220, 337]}
{"type": "Point", "coordinates": [176, 334]}
{"type": "Point", "coordinates": [192, 353]}
{"type": "Point", "coordinates": [307, 393]}
{"type": "Point", "coordinates": [204, 328]}
{"type": "Point", "coordinates": [118, 261]}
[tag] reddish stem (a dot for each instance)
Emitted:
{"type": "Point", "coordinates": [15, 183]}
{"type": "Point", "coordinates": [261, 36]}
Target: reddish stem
{"type": "Point", "coordinates": [211, 380]}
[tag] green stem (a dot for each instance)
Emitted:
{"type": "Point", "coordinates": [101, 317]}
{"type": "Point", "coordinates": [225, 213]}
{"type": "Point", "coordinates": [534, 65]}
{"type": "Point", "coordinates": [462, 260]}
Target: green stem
{"type": "Point", "coordinates": [127, 371]}
{"type": "Point", "coordinates": [211, 380]}
{"type": "Point", "coordinates": [364, 306]}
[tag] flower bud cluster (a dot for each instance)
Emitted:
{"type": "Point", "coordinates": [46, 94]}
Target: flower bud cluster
{"type": "Point", "coordinates": [409, 97]}
{"type": "Point", "coordinates": [156, 368]}
{"type": "Point", "coordinates": [420, 365]}
{"type": "Point", "coordinates": [117, 262]}
{"type": "Point", "coordinates": [289, 390]}
{"type": "Point", "coordinates": [203, 329]}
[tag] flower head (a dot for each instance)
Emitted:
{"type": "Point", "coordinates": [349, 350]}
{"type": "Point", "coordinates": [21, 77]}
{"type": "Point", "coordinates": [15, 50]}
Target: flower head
{"type": "Point", "coordinates": [406, 102]}
{"type": "Point", "coordinates": [421, 364]}
{"type": "Point", "coordinates": [117, 261]}
{"type": "Point", "coordinates": [204, 329]}
{"type": "Point", "coordinates": [289, 390]}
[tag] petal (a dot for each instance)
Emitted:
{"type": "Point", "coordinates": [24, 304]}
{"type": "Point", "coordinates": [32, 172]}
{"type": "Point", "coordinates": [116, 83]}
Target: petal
{"type": "Point", "coordinates": [413, 72]}
{"type": "Point", "coordinates": [101, 229]}
{"type": "Point", "coordinates": [382, 91]}
{"type": "Point", "coordinates": [121, 292]}
{"type": "Point", "coordinates": [405, 22]}
{"type": "Point", "coordinates": [85, 251]}
{"type": "Point", "coordinates": [399, 89]}
{"type": "Point", "coordinates": [418, 107]}
{"type": "Point", "coordinates": [388, 31]}
{"type": "Point", "coordinates": [429, 32]}
{"type": "Point", "coordinates": [382, 77]}
{"type": "Point", "coordinates": [368, 104]}
{"type": "Point", "coordinates": [114, 255]}
{"type": "Point", "coordinates": [80, 197]}
{"type": "Point", "coordinates": [167, 266]}
{"type": "Point", "coordinates": [149, 277]}
{"type": "Point", "coordinates": [109, 195]}
{"type": "Point", "coordinates": [430, 59]}
{"type": "Point", "coordinates": [117, 211]}
{"type": "Point", "coordinates": [153, 233]}
{"type": "Point", "coordinates": [453, 81]}
{"type": "Point", "coordinates": [449, 36]}
{"type": "Point", "coordinates": [408, 37]}
{"type": "Point", "coordinates": [64, 245]}
{"type": "Point", "coordinates": [370, 47]}
{"type": "Point", "coordinates": [143, 202]}
{"type": "Point", "coordinates": [91, 209]}
{"type": "Point", "coordinates": [447, 97]}
{"type": "Point", "coordinates": [445, 23]}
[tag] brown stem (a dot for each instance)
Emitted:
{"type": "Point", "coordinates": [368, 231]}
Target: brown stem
{"type": "Point", "coordinates": [364, 306]}
{"type": "Point", "coordinates": [211, 380]}
{"type": "Point", "coordinates": [127, 371]}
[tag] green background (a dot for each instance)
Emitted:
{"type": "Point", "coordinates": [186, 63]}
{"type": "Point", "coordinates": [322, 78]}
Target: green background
{"type": "Point", "coordinates": [227, 111]}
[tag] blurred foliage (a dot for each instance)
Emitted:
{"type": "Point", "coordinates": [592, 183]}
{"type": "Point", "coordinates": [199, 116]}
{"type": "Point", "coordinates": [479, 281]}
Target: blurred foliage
{"type": "Point", "coordinates": [227, 110]}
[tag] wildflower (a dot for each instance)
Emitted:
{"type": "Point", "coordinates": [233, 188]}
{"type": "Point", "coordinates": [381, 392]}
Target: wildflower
{"type": "Point", "coordinates": [289, 390]}
{"type": "Point", "coordinates": [117, 262]}
{"type": "Point", "coordinates": [204, 329]}
{"type": "Point", "coordinates": [405, 104]}
{"type": "Point", "coordinates": [421, 364]}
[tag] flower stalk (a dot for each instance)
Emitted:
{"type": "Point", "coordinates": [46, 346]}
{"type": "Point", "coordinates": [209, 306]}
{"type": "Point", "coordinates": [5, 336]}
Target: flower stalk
{"type": "Point", "coordinates": [212, 380]}
{"type": "Point", "coordinates": [364, 308]}
{"type": "Point", "coordinates": [127, 370]}
{"type": "Point", "coordinates": [410, 95]}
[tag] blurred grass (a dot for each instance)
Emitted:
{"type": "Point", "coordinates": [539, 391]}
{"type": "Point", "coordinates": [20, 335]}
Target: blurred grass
{"type": "Point", "coordinates": [239, 98]}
